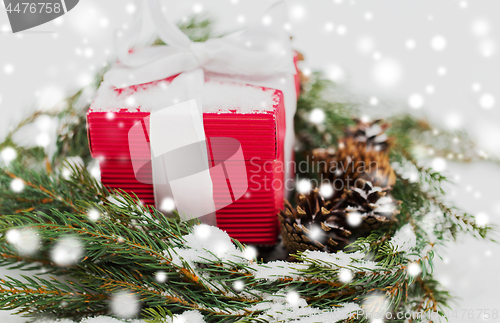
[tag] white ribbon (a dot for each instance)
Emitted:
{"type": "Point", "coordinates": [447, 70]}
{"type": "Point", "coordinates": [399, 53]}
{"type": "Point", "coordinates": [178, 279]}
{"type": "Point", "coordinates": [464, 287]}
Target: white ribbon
{"type": "Point", "coordinates": [260, 55]}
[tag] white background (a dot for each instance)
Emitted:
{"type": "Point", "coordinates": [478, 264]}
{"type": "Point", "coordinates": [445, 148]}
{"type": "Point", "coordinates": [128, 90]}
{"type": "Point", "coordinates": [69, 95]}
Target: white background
{"type": "Point", "coordinates": [441, 57]}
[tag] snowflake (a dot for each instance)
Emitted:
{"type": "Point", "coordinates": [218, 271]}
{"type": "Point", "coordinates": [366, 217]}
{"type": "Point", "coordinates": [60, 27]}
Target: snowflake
{"type": "Point", "coordinates": [416, 101]}
{"type": "Point", "coordinates": [438, 43]}
{"type": "Point", "coordinates": [67, 251]}
{"type": "Point", "coordinates": [345, 275]}
{"type": "Point", "coordinates": [161, 277]}
{"type": "Point", "coordinates": [482, 219]}
{"type": "Point", "coordinates": [17, 185]}
{"type": "Point", "coordinates": [414, 269]}
{"type": "Point", "coordinates": [238, 285]}
{"type": "Point", "coordinates": [250, 253]}
{"type": "Point", "coordinates": [125, 304]}
{"type": "Point", "coordinates": [8, 154]}
{"type": "Point", "coordinates": [26, 240]}
{"type": "Point", "coordinates": [487, 101]}
{"type": "Point", "coordinates": [304, 186]}
{"type": "Point", "coordinates": [293, 298]}
{"type": "Point", "coordinates": [326, 190]}
{"type": "Point", "coordinates": [8, 69]}
{"type": "Point", "coordinates": [354, 219]}
{"type": "Point", "coordinates": [387, 72]}
{"type": "Point", "coordinates": [317, 116]}
{"type": "Point", "coordinates": [94, 215]}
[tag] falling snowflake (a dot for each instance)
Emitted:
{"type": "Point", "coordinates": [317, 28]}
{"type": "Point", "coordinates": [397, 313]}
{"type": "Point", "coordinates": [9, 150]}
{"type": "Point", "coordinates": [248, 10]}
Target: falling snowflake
{"type": "Point", "coordinates": [329, 26]}
{"type": "Point", "coordinates": [453, 121]}
{"type": "Point", "coordinates": [442, 71]}
{"type": "Point", "coordinates": [354, 219]}
{"type": "Point", "coordinates": [125, 304]}
{"type": "Point", "coordinates": [250, 253]}
{"type": "Point", "coordinates": [416, 101]}
{"type": "Point", "coordinates": [161, 277]}
{"type": "Point", "coordinates": [197, 8]}
{"type": "Point", "coordinates": [26, 240]}
{"type": "Point", "coordinates": [67, 251]}
{"type": "Point", "coordinates": [240, 19]}
{"type": "Point", "coordinates": [480, 27]}
{"type": "Point", "coordinates": [438, 43]}
{"type": "Point", "coordinates": [335, 73]}
{"type": "Point", "coordinates": [315, 233]}
{"type": "Point", "coordinates": [341, 30]}
{"type": "Point", "coordinates": [366, 44]}
{"type": "Point", "coordinates": [326, 190]}
{"type": "Point", "coordinates": [238, 285]}
{"type": "Point", "coordinates": [8, 154]}
{"type": "Point", "coordinates": [410, 44]}
{"type": "Point", "coordinates": [297, 13]}
{"type": "Point", "coordinates": [167, 205]}
{"type": "Point", "coordinates": [414, 269]}
{"type": "Point", "coordinates": [266, 20]}
{"type": "Point", "coordinates": [345, 275]}
{"type": "Point", "coordinates": [438, 164]}
{"type": "Point", "coordinates": [429, 89]}
{"type": "Point", "coordinates": [387, 72]}
{"type": "Point", "coordinates": [202, 231]}
{"type": "Point", "coordinates": [94, 215]}
{"type": "Point", "coordinates": [487, 101]}
{"type": "Point", "coordinates": [293, 298]}
{"type": "Point", "coordinates": [487, 47]}
{"type": "Point", "coordinates": [482, 219]}
{"type": "Point", "coordinates": [130, 8]}
{"type": "Point", "coordinates": [317, 116]}
{"type": "Point", "coordinates": [17, 185]}
{"type": "Point", "coordinates": [304, 186]}
{"type": "Point", "coordinates": [103, 22]}
{"type": "Point", "coordinates": [8, 69]}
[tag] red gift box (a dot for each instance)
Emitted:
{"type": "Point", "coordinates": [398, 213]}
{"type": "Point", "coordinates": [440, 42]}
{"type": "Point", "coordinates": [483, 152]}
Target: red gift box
{"type": "Point", "coordinates": [251, 219]}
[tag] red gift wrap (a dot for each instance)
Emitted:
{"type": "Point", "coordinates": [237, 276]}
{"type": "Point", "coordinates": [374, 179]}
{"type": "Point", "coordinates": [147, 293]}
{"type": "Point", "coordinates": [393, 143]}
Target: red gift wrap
{"type": "Point", "coordinates": [251, 219]}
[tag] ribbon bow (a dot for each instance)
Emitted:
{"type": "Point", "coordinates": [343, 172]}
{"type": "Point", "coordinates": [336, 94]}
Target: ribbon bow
{"type": "Point", "coordinates": [260, 55]}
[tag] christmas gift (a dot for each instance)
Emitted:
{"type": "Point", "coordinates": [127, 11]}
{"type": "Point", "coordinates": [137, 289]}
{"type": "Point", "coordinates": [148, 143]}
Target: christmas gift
{"type": "Point", "coordinates": [205, 129]}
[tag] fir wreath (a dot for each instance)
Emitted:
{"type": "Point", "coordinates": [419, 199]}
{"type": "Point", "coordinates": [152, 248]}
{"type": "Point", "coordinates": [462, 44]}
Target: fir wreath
{"type": "Point", "coordinates": [116, 251]}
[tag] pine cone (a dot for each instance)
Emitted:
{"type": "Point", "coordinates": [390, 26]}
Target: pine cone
{"type": "Point", "coordinates": [373, 134]}
{"type": "Point", "coordinates": [352, 162]}
{"type": "Point", "coordinates": [304, 227]}
{"type": "Point", "coordinates": [316, 224]}
{"type": "Point", "coordinates": [364, 209]}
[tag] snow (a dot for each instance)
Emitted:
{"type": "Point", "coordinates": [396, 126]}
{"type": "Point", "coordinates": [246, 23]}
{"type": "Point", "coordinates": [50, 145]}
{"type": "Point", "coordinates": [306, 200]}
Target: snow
{"type": "Point", "coordinates": [161, 277]}
{"type": "Point", "coordinates": [205, 245]}
{"type": "Point", "coordinates": [404, 240]}
{"type": "Point", "coordinates": [317, 116]}
{"type": "Point", "coordinates": [26, 240]}
{"type": "Point", "coordinates": [278, 309]}
{"type": "Point", "coordinates": [355, 261]}
{"type": "Point", "coordinates": [345, 275]}
{"type": "Point", "coordinates": [414, 269]}
{"type": "Point", "coordinates": [8, 154]}
{"type": "Point", "coordinates": [125, 304]}
{"type": "Point", "coordinates": [17, 185]}
{"type": "Point", "coordinates": [67, 251]}
{"type": "Point", "coordinates": [416, 101]}
{"type": "Point", "coordinates": [98, 319]}
{"type": "Point", "coordinates": [217, 97]}
{"type": "Point", "coordinates": [487, 101]}
{"type": "Point", "coordinates": [278, 269]}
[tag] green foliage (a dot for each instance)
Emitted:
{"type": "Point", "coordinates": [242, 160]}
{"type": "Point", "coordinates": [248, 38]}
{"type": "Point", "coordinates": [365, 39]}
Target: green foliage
{"type": "Point", "coordinates": [130, 243]}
